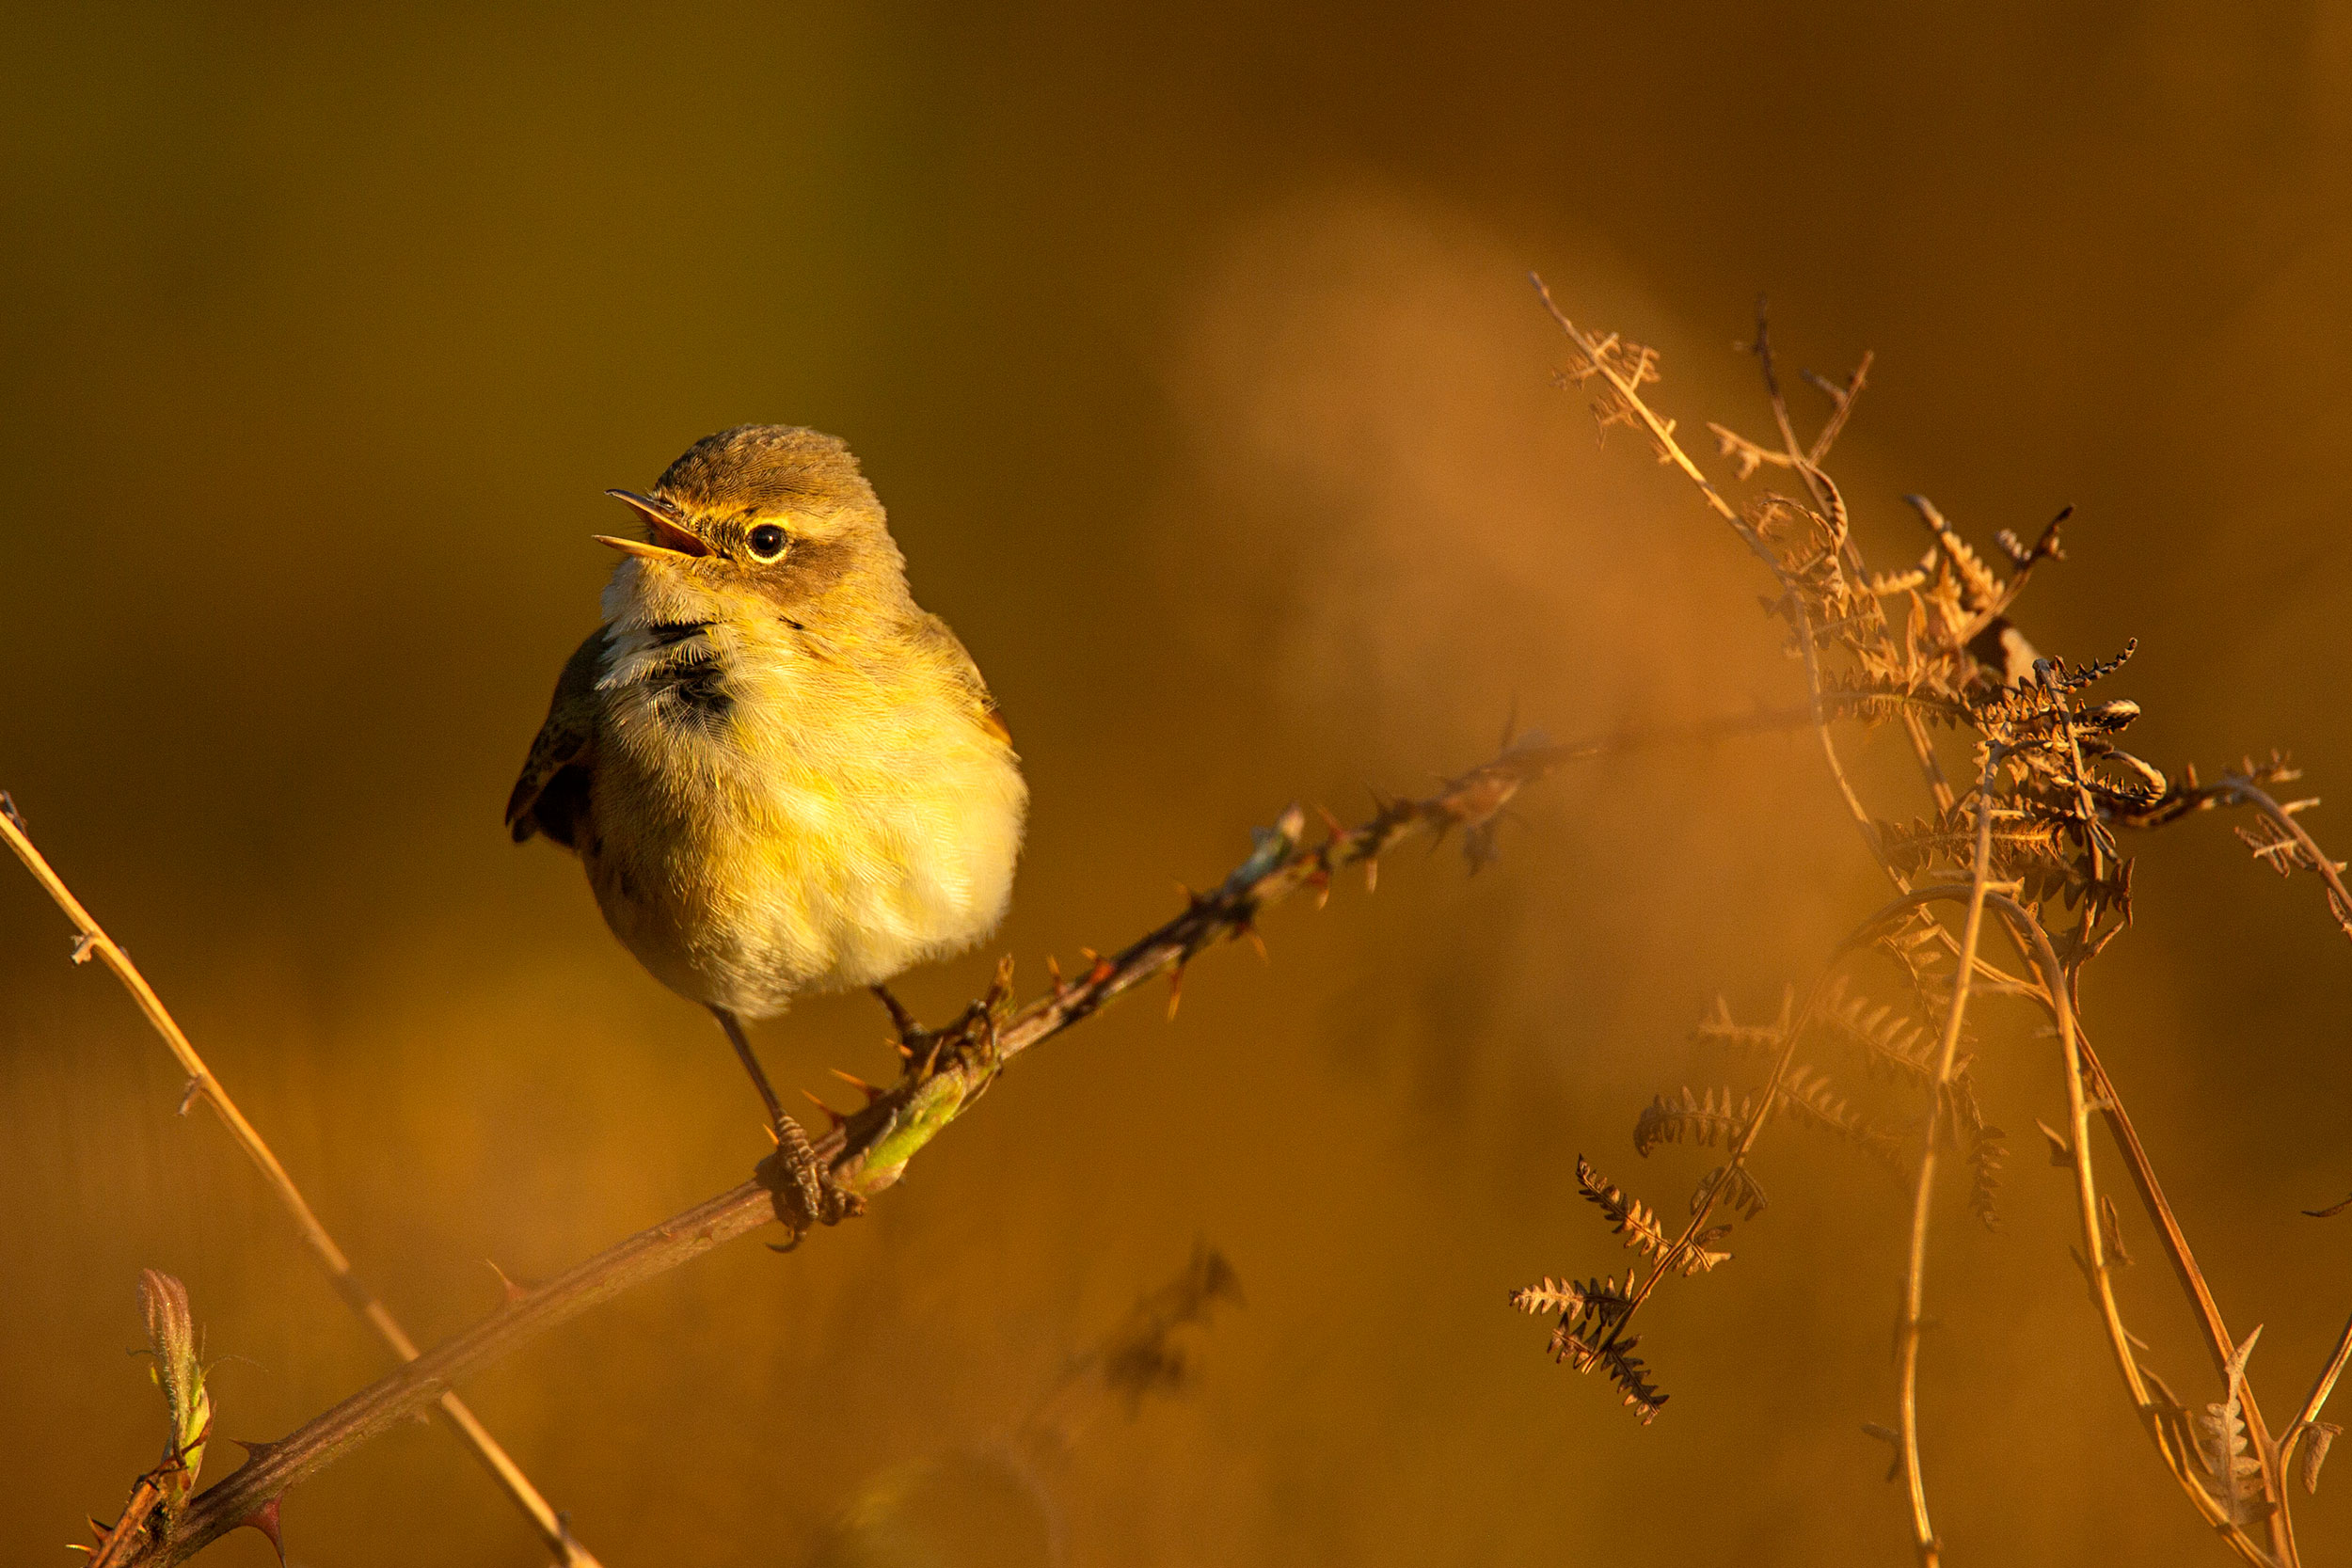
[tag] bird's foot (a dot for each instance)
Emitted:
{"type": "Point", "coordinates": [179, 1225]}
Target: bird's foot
{"type": "Point", "coordinates": [801, 1184]}
{"type": "Point", "coordinates": [902, 1022]}
{"type": "Point", "coordinates": [918, 1047]}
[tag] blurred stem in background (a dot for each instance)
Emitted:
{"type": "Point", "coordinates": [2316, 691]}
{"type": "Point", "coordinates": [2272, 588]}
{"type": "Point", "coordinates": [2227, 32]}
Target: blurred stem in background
{"type": "Point", "coordinates": [91, 941]}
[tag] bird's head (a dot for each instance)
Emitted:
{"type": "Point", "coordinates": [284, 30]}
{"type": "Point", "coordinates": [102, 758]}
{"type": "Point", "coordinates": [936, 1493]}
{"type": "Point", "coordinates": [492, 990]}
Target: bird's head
{"type": "Point", "coordinates": [770, 518]}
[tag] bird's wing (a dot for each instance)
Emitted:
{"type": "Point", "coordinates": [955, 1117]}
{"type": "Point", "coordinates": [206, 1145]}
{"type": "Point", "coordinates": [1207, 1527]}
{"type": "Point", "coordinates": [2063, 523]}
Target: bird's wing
{"type": "Point", "coordinates": [935, 635]}
{"type": "Point", "coordinates": [554, 782]}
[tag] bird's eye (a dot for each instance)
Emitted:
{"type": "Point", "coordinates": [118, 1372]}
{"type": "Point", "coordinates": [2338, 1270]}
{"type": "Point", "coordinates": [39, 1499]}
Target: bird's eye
{"type": "Point", "coordinates": [767, 542]}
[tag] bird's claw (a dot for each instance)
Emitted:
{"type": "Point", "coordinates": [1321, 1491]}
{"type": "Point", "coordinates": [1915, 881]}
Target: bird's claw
{"type": "Point", "coordinates": [801, 1185]}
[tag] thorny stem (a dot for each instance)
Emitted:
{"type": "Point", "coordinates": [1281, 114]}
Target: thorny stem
{"type": "Point", "coordinates": [1915, 1278]}
{"type": "Point", "coordinates": [92, 942]}
{"type": "Point", "coordinates": [868, 1149]}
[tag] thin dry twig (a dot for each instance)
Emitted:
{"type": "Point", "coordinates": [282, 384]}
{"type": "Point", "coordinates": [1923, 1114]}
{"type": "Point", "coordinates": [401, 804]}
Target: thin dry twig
{"type": "Point", "coordinates": [1623, 370]}
{"type": "Point", "coordinates": [91, 941]}
{"type": "Point", "coordinates": [2035, 942]}
{"type": "Point", "coordinates": [1915, 1275]}
{"type": "Point", "coordinates": [2308, 1427]}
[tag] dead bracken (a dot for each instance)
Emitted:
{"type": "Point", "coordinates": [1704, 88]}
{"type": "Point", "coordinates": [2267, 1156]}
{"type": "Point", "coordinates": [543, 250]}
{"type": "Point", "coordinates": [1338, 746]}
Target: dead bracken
{"type": "Point", "coordinates": [2033, 838]}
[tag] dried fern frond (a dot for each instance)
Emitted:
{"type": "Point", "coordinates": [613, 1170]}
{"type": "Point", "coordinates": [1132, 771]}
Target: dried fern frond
{"type": "Point", "coordinates": [2233, 1472]}
{"type": "Point", "coordinates": [1875, 699]}
{"type": "Point", "coordinates": [1638, 1223]}
{"type": "Point", "coordinates": [1603, 1300]}
{"type": "Point", "coordinates": [1721, 1030]}
{"type": "Point", "coordinates": [1692, 1119]}
{"type": "Point", "coordinates": [2286, 854]}
{"type": "Point", "coordinates": [1985, 1147]}
{"type": "Point", "coordinates": [1746, 455]}
{"type": "Point", "coordinates": [2023, 558]}
{"type": "Point", "coordinates": [2023, 842]}
{"type": "Point", "coordinates": [1914, 944]}
{"type": "Point", "coordinates": [1892, 1043]}
{"type": "Point", "coordinates": [1627, 1216]}
{"type": "Point", "coordinates": [2058, 674]}
{"type": "Point", "coordinates": [1587, 1310]}
{"type": "Point", "coordinates": [1981, 590]}
{"type": "Point", "coordinates": [1625, 1370]}
{"type": "Point", "coordinates": [2315, 1444]}
{"type": "Point", "coordinates": [1735, 1186]}
{"type": "Point", "coordinates": [1810, 1094]}
{"type": "Point", "coordinates": [2038, 706]}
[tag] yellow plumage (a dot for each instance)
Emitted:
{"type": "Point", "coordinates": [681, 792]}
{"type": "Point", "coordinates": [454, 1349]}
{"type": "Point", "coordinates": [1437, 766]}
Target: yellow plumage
{"type": "Point", "coordinates": [781, 774]}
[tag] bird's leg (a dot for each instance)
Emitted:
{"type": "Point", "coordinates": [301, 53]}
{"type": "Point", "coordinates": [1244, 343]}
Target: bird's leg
{"type": "Point", "coordinates": [909, 1031]}
{"type": "Point", "coordinates": [804, 1184]}
{"type": "Point", "coordinates": [734, 1028]}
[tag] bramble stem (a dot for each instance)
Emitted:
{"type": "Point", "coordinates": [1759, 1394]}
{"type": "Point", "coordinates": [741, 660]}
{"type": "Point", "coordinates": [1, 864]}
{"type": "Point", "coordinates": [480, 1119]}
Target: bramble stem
{"type": "Point", "coordinates": [871, 1147]}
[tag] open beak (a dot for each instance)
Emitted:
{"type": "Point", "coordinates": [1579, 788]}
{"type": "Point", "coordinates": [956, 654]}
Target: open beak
{"type": "Point", "coordinates": [670, 542]}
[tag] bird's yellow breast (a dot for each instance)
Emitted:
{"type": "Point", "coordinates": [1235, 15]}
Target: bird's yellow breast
{"type": "Point", "coordinates": [775, 810]}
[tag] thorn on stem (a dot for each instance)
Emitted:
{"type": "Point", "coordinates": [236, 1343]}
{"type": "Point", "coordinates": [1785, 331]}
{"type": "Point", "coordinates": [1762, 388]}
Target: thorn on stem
{"type": "Point", "coordinates": [832, 1116]}
{"type": "Point", "coordinates": [2061, 1151]}
{"type": "Point", "coordinates": [509, 1291]}
{"type": "Point", "coordinates": [1175, 990]}
{"type": "Point", "coordinates": [264, 1519]}
{"type": "Point", "coordinates": [858, 1084]}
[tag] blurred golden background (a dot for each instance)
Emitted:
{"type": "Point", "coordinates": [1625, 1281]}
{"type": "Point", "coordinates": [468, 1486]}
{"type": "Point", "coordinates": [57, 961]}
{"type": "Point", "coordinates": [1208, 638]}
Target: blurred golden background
{"type": "Point", "coordinates": [1195, 360]}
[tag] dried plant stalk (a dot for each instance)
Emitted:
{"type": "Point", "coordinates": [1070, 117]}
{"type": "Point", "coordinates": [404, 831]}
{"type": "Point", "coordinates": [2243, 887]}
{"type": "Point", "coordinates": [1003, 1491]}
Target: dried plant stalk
{"type": "Point", "coordinates": [1923, 1198]}
{"type": "Point", "coordinates": [91, 940]}
{"type": "Point", "coordinates": [2044, 836]}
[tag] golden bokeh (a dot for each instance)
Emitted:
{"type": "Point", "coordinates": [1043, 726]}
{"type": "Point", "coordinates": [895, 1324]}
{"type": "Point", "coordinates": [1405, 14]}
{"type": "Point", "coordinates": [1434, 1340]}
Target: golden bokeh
{"type": "Point", "coordinates": [1195, 363]}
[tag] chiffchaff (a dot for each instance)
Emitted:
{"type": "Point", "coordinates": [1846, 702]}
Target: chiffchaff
{"type": "Point", "coordinates": [781, 774]}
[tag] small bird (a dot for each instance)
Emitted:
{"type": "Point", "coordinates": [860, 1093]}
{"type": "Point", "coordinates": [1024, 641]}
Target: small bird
{"type": "Point", "coordinates": [781, 774]}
